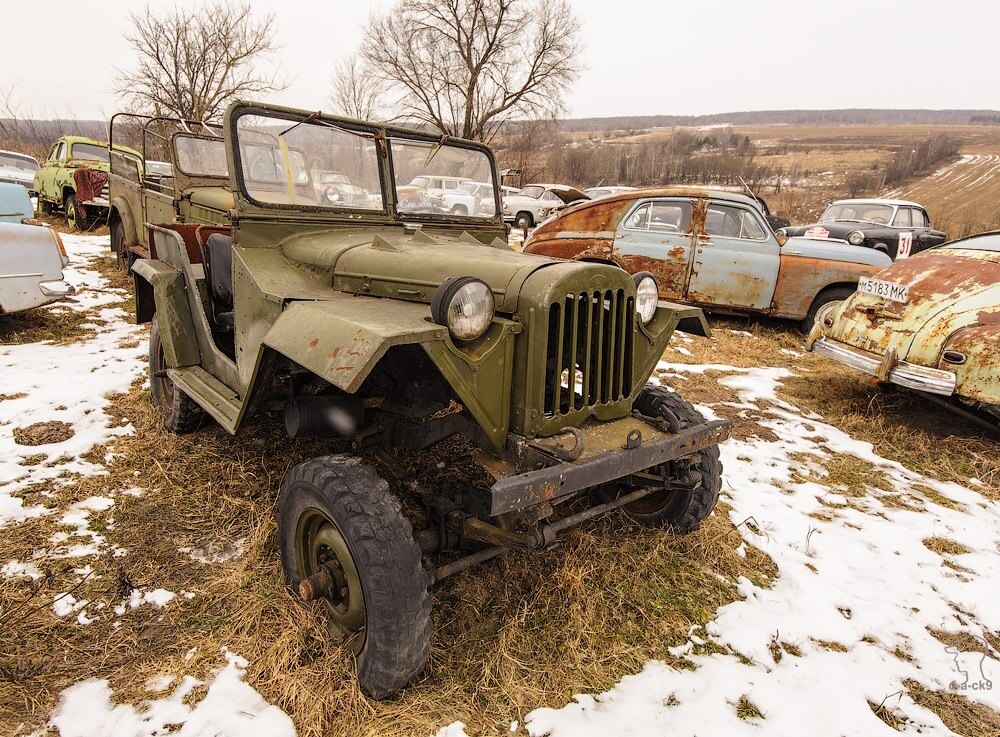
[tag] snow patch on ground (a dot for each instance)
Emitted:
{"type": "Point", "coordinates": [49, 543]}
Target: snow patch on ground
{"type": "Point", "coordinates": [66, 383]}
{"type": "Point", "coordinates": [864, 581]}
{"type": "Point", "coordinates": [231, 708]}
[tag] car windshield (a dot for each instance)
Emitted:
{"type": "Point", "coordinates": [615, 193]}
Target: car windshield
{"type": "Point", "coordinates": [416, 163]}
{"type": "Point", "coordinates": [987, 242]}
{"type": "Point", "coordinates": [18, 162]}
{"type": "Point", "coordinates": [863, 212]}
{"type": "Point", "coordinates": [532, 191]}
{"type": "Point", "coordinates": [277, 158]}
{"type": "Point", "coordinates": [89, 152]}
{"type": "Point", "coordinates": [205, 157]}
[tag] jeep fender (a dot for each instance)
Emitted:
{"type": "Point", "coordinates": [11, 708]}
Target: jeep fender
{"type": "Point", "coordinates": [160, 290]}
{"type": "Point", "coordinates": [120, 205]}
{"type": "Point", "coordinates": [341, 339]}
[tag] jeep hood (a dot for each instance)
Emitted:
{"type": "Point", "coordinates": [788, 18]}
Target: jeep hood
{"type": "Point", "coordinates": [948, 289]}
{"type": "Point", "coordinates": [411, 266]}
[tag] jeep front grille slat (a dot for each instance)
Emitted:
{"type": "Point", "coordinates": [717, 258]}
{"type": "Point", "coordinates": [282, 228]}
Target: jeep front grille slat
{"type": "Point", "coordinates": [588, 351]}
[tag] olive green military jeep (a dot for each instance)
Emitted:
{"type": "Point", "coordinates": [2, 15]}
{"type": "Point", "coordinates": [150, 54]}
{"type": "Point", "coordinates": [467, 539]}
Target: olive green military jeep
{"type": "Point", "coordinates": [373, 314]}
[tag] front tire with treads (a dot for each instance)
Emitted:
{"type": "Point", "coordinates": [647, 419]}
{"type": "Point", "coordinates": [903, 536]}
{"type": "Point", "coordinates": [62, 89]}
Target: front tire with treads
{"type": "Point", "coordinates": [681, 509]}
{"type": "Point", "coordinates": [336, 513]}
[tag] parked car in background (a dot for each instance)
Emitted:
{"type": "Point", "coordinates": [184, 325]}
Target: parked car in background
{"type": "Point", "coordinates": [162, 169]}
{"type": "Point", "coordinates": [471, 198]}
{"type": "Point", "coordinates": [15, 204]}
{"type": "Point", "coordinates": [74, 179]}
{"type": "Point", "coordinates": [32, 258]}
{"type": "Point", "coordinates": [896, 227]}
{"type": "Point", "coordinates": [336, 187]}
{"type": "Point", "coordinates": [535, 202]}
{"type": "Point", "coordinates": [18, 169]}
{"type": "Point", "coordinates": [710, 248]}
{"type": "Point", "coordinates": [595, 192]}
{"type": "Point", "coordinates": [929, 323]}
{"type": "Point", "coordinates": [436, 186]}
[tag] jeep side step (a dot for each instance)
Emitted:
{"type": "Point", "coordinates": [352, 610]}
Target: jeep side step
{"type": "Point", "coordinates": [217, 399]}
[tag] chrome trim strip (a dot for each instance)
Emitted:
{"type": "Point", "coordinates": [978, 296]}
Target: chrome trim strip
{"type": "Point", "coordinates": [910, 375]}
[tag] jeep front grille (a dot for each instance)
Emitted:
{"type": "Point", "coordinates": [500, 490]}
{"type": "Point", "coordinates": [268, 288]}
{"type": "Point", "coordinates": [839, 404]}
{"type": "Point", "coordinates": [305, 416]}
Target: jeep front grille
{"type": "Point", "coordinates": [588, 351]}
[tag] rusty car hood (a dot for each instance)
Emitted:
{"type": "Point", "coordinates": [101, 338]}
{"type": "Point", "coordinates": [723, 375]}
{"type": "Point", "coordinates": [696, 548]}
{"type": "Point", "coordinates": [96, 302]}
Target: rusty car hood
{"type": "Point", "coordinates": [411, 265]}
{"type": "Point", "coordinates": [948, 289]}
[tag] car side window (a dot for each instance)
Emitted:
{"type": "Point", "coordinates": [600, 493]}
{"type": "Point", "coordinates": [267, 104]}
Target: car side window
{"type": "Point", "coordinates": [548, 196]}
{"type": "Point", "coordinates": [752, 228]}
{"type": "Point", "coordinates": [60, 151]}
{"type": "Point", "coordinates": [733, 222]}
{"type": "Point", "coordinates": [919, 218]}
{"type": "Point", "coordinates": [670, 216]}
{"type": "Point", "coordinates": [450, 184]}
{"type": "Point", "coordinates": [902, 219]}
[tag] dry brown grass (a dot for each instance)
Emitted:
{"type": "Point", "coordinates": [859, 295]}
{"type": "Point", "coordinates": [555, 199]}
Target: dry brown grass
{"type": "Point", "coordinates": [959, 714]}
{"type": "Point", "coordinates": [944, 546]}
{"type": "Point", "coordinates": [514, 634]}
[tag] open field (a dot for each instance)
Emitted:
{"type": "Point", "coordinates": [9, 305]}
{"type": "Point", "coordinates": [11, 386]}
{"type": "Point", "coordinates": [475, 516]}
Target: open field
{"type": "Point", "coordinates": [856, 542]}
{"type": "Point", "coordinates": [817, 164]}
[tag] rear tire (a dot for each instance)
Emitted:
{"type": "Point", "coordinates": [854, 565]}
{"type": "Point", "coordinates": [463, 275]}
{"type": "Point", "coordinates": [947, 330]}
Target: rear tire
{"type": "Point", "coordinates": [120, 248]}
{"type": "Point", "coordinates": [336, 514]}
{"type": "Point", "coordinates": [523, 221]}
{"type": "Point", "coordinates": [680, 509]}
{"type": "Point", "coordinates": [833, 294]}
{"type": "Point", "coordinates": [73, 216]}
{"type": "Point", "coordinates": [180, 413]}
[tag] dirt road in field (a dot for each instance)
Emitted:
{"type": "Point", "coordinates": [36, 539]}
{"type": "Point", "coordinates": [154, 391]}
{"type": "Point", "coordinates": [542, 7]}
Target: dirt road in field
{"type": "Point", "coordinates": [961, 197]}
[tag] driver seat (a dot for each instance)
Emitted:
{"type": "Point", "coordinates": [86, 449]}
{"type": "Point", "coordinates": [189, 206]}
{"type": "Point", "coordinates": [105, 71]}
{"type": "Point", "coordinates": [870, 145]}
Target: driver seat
{"type": "Point", "coordinates": [217, 258]}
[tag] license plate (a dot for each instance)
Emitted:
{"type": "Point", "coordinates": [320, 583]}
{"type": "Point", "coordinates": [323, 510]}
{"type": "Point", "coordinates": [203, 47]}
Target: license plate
{"type": "Point", "coordinates": [884, 289]}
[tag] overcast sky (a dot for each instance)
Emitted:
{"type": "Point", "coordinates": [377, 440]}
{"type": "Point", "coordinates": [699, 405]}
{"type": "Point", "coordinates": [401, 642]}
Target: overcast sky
{"type": "Point", "coordinates": [641, 56]}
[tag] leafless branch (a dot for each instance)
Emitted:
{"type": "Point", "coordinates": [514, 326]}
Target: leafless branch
{"type": "Point", "coordinates": [467, 67]}
{"type": "Point", "coordinates": [191, 62]}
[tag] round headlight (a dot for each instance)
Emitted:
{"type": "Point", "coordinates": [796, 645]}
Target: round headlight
{"type": "Point", "coordinates": [464, 305]}
{"type": "Point", "coordinates": [333, 194]}
{"type": "Point", "coordinates": [781, 233]}
{"type": "Point", "coordinates": [855, 237]}
{"type": "Point", "coordinates": [647, 294]}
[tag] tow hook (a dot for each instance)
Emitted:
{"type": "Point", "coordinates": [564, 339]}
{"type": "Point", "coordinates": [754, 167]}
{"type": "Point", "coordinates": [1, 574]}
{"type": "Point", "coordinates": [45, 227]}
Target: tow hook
{"type": "Point", "coordinates": [633, 440]}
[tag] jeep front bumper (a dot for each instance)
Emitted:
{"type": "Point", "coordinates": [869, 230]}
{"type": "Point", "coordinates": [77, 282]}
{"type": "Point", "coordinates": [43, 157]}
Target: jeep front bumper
{"type": "Point", "coordinates": [605, 458]}
{"type": "Point", "coordinates": [889, 368]}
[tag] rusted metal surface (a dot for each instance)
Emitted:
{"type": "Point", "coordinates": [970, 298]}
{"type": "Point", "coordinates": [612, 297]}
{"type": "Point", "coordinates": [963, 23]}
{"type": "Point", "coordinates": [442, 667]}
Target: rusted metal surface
{"type": "Point", "coordinates": [801, 278]}
{"type": "Point", "coordinates": [727, 274]}
{"type": "Point", "coordinates": [604, 460]}
{"type": "Point", "coordinates": [953, 305]}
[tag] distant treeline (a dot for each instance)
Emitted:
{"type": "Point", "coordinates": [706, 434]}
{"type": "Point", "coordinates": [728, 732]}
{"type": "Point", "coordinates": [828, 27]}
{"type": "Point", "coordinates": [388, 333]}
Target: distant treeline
{"type": "Point", "coordinates": [787, 117]}
{"type": "Point", "coordinates": [34, 137]}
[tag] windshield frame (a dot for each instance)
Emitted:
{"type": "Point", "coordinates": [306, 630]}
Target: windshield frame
{"type": "Point", "coordinates": [406, 135]}
{"type": "Point", "coordinates": [293, 118]}
{"type": "Point", "coordinates": [380, 133]}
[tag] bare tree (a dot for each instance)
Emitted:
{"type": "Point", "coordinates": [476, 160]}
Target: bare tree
{"type": "Point", "coordinates": [357, 92]}
{"type": "Point", "coordinates": [192, 62]}
{"type": "Point", "coordinates": [465, 67]}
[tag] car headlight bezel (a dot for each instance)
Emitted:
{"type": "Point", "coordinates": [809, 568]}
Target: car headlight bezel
{"type": "Point", "coordinates": [647, 295]}
{"type": "Point", "coordinates": [855, 237]}
{"type": "Point", "coordinates": [465, 305]}
{"type": "Point", "coordinates": [781, 233]}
